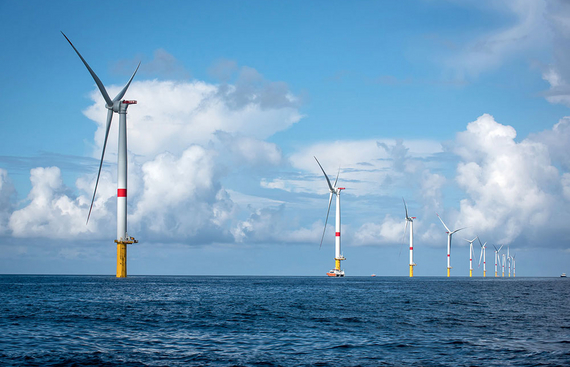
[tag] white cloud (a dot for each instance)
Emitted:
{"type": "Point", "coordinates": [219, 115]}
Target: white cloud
{"type": "Point", "coordinates": [566, 185]}
{"type": "Point", "coordinates": [556, 140]}
{"type": "Point", "coordinates": [510, 187]}
{"type": "Point", "coordinates": [244, 150]}
{"type": "Point", "coordinates": [52, 211]}
{"type": "Point", "coordinates": [268, 225]}
{"type": "Point", "coordinates": [7, 194]}
{"type": "Point", "coordinates": [389, 232]}
{"type": "Point", "coordinates": [170, 115]}
{"type": "Point", "coordinates": [182, 196]}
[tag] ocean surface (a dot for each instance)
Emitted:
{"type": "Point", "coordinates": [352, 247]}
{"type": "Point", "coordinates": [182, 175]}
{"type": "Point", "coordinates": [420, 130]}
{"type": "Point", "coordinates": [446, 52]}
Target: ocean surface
{"type": "Point", "coordinates": [283, 321]}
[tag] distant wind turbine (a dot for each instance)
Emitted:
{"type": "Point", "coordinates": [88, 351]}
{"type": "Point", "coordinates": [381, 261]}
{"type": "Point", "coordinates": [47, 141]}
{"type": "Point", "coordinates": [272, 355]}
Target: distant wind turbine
{"type": "Point", "coordinates": [411, 221]}
{"type": "Point", "coordinates": [449, 234]}
{"type": "Point", "coordinates": [509, 259]}
{"type": "Point", "coordinates": [497, 258]}
{"type": "Point", "coordinates": [503, 265]}
{"type": "Point", "coordinates": [514, 273]}
{"type": "Point", "coordinates": [336, 272]}
{"type": "Point", "coordinates": [482, 256]}
{"type": "Point", "coordinates": [115, 105]}
{"type": "Point", "coordinates": [471, 256]}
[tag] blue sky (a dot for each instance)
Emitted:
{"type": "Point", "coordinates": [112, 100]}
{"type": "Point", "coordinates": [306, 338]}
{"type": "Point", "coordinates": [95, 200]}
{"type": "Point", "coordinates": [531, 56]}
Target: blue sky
{"type": "Point", "coordinates": [459, 106]}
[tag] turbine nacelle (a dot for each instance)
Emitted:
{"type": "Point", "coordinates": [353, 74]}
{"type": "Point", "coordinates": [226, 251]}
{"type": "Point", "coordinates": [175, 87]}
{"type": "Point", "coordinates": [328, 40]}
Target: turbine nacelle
{"type": "Point", "coordinates": [120, 106]}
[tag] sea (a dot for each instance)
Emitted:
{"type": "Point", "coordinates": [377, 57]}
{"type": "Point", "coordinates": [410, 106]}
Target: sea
{"type": "Point", "coordinates": [50, 320]}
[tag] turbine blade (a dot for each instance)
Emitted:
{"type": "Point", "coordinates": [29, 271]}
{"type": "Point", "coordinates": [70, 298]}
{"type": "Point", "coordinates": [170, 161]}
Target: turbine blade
{"type": "Point", "coordinates": [122, 93]}
{"type": "Point", "coordinates": [480, 244]}
{"type": "Point", "coordinates": [480, 257]}
{"type": "Point", "coordinates": [405, 230]}
{"type": "Point", "coordinates": [457, 230]}
{"type": "Point", "coordinates": [443, 223]}
{"type": "Point", "coordinates": [335, 181]}
{"type": "Point", "coordinates": [326, 220]}
{"type": "Point", "coordinates": [109, 118]}
{"type": "Point", "coordinates": [328, 181]}
{"type": "Point", "coordinates": [405, 207]}
{"type": "Point", "coordinates": [500, 247]}
{"type": "Point", "coordinates": [95, 77]}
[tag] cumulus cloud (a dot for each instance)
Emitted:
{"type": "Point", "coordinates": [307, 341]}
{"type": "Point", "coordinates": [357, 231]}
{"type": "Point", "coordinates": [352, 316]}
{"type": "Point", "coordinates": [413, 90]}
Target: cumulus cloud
{"type": "Point", "coordinates": [556, 140]}
{"type": "Point", "coordinates": [245, 150]}
{"type": "Point", "coordinates": [52, 211]}
{"type": "Point", "coordinates": [7, 195]}
{"type": "Point", "coordinates": [182, 197]}
{"type": "Point", "coordinates": [388, 232]}
{"type": "Point", "coordinates": [511, 188]}
{"type": "Point", "coordinates": [172, 115]}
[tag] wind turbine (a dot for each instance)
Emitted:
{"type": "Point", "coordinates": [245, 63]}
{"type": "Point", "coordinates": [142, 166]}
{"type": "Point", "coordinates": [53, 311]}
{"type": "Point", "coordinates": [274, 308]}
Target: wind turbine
{"type": "Point", "coordinates": [514, 263]}
{"type": "Point", "coordinates": [482, 256]}
{"type": "Point", "coordinates": [509, 259]}
{"type": "Point", "coordinates": [503, 264]}
{"type": "Point", "coordinates": [497, 259]}
{"type": "Point", "coordinates": [336, 272]}
{"type": "Point", "coordinates": [449, 234]}
{"type": "Point", "coordinates": [119, 106]}
{"type": "Point", "coordinates": [411, 221]}
{"type": "Point", "coordinates": [471, 256]}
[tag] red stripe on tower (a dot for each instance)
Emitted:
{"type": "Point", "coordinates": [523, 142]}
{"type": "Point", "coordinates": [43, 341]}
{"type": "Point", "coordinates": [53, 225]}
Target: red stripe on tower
{"type": "Point", "coordinates": [121, 193]}
{"type": "Point", "coordinates": [337, 234]}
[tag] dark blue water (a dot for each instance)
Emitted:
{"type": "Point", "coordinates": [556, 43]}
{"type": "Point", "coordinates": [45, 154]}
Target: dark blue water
{"type": "Point", "coordinates": [283, 321]}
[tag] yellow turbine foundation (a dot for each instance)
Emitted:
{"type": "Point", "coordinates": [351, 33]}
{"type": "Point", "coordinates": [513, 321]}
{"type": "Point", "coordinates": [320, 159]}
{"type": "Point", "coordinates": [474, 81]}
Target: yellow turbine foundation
{"type": "Point", "coordinates": [484, 274]}
{"type": "Point", "coordinates": [470, 273]}
{"type": "Point", "coordinates": [121, 260]}
{"type": "Point", "coordinates": [122, 256]}
{"type": "Point", "coordinates": [411, 271]}
{"type": "Point", "coordinates": [448, 271]}
{"type": "Point", "coordinates": [337, 264]}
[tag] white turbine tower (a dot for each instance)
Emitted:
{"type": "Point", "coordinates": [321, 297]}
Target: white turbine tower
{"type": "Point", "coordinates": [449, 234]}
{"type": "Point", "coordinates": [471, 256]}
{"type": "Point", "coordinates": [483, 257]}
{"type": "Point", "coordinates": [411, 221]}
{"type": "Point", "coordinates": [338, 257]}
{"type": "Point", "coordinates": [119, 106]}
{"type": "Point", "coordinates": [503, 265]}
{"type": "Point", "coordinates": [497, 258]}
